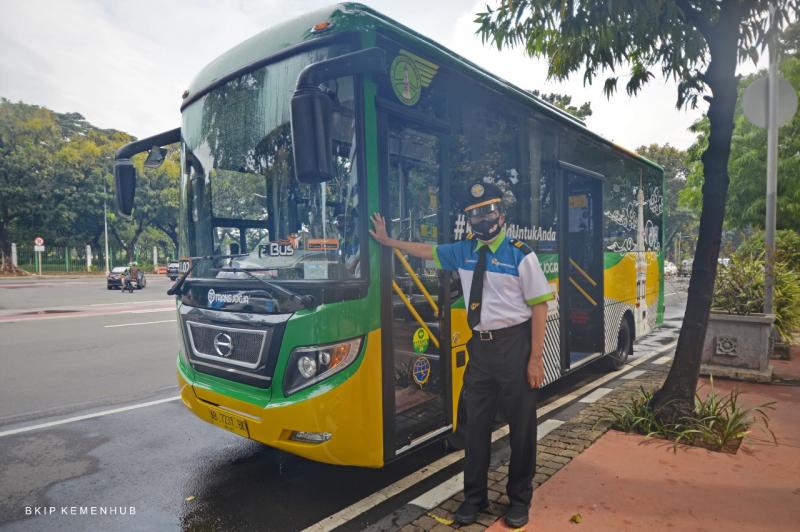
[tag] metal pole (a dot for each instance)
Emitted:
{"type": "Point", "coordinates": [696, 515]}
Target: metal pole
{"type": "Point", "coordinates": [772, 171]}
{"type": "Point", "coordinates": [105, 226]}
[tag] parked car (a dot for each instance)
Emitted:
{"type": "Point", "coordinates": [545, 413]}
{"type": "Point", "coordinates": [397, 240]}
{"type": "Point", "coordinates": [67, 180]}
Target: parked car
{"type": "Point", "coordinates": [173, 269]}
{"type": "Point", "coordinates": [670, 268]}
{"type": "Point", "coordinates": [117, 277]}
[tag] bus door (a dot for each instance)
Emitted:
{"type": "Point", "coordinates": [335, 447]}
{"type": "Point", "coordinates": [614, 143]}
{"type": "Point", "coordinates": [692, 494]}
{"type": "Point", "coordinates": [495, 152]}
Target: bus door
{"type": "Point", "coordinates": [581, 281]}
{"type": "Point", "coordinates": [416, 365]}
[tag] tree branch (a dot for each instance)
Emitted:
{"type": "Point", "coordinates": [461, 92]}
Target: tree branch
{"type": "Point", "coordinates": [693, 16]}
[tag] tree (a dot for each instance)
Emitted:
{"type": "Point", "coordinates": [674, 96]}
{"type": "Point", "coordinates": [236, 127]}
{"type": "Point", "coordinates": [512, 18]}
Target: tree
{"type": "Point", "coordinates": [81, 167]}
{"type": "Point", "coordinates": [747, 165]}
{"type": "Point", "coordinates": [28, 137]}
{"type": "Point", "coordinates": [156, 205]}
{"type": "Point", "coordinates": [696, 42]}
{"type": "Point", "coordinates": [564, 102]}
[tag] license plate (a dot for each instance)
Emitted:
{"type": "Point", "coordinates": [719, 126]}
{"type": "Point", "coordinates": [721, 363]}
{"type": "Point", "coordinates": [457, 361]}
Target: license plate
{"type": "Point", "coordinates": [229, 421]}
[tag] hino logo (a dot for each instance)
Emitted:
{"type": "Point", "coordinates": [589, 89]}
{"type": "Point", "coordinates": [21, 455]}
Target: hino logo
{"type": "Point", "coordinates": [223, 345]}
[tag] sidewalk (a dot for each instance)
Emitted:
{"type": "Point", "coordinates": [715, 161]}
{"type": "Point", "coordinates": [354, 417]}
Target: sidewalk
{"type": "Point", "coordinates": [626, 482]}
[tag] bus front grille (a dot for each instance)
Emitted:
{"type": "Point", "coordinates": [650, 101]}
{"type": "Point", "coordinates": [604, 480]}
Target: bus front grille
{"type": "Point", "coordinates": [239, 347]}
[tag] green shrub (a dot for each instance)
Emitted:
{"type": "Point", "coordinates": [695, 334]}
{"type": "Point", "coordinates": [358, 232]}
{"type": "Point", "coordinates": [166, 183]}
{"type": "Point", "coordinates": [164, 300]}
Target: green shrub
{"type": "Point", "coordinates": [739, 289]}
{"type": "Point", "coordinates": [718, 422]}
{"type": "Point", "coordinates": [787, 247]}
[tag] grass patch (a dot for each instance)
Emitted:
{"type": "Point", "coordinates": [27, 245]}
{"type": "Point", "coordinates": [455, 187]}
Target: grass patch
{"type": "Point", "coordinates": [718, 423]}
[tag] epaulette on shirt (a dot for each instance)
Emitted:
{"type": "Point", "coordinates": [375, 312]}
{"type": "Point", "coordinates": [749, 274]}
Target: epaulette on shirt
{"type": "Point", "coordinates": [522, 246]}
{"type": "Point", "coordinates": [470, 236]}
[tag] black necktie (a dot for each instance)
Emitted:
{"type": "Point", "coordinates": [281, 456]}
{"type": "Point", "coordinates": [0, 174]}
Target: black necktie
{"type": "Point", "coordinates": [476, 290]}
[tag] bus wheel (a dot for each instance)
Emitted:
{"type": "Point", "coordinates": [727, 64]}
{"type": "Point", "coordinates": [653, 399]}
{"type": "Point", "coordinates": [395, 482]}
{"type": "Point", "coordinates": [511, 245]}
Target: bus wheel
{"type": "Point", "coordinates": [617, 359]}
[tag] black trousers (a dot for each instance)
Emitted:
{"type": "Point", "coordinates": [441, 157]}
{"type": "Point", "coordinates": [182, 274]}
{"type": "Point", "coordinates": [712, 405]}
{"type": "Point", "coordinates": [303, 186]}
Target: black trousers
{"type": "Point", "coordinates": [496, 375]}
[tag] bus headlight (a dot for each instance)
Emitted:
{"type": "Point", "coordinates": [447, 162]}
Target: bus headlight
{"type": "Point", "coordinates": [311, 364]}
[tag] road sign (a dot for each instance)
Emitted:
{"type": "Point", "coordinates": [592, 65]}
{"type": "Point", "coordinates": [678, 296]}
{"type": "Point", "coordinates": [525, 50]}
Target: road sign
{"type": "Point", "coordinates": [754, 102]}
{"type": "Point", "coordinates": [38, 241]}
{"type": "Point", "coordinates": [38, 248]}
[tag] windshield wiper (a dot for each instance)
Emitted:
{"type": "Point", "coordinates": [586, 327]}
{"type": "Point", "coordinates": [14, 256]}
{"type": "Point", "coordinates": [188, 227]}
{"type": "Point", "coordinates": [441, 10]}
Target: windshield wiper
{"type": "Point", "coordinates": [306, 300]}
{"type": "Point", "coordinates": [195, 261]}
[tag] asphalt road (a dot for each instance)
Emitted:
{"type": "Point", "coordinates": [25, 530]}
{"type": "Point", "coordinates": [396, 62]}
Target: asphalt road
{"type": "Point", "coordinates": [174, 470]}
{"type": "Point", "coordinates": [71, 345]}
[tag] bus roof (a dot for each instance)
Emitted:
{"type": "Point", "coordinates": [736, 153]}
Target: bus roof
{"type": "Point", "coordinates": [351, 16]}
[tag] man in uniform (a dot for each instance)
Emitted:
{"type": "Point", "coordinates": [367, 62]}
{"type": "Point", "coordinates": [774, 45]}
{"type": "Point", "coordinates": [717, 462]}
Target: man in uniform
{"type": "Point", "coordinates": [506, 294]}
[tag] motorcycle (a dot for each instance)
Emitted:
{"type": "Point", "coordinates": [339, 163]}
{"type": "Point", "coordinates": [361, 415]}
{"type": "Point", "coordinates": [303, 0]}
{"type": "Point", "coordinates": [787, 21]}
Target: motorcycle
{"type": "Point", "coordinates": [127, 284]}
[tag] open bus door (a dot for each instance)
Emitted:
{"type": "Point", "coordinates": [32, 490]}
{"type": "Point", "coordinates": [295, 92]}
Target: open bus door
{"type": "Point", "coordinates": [417, 388]}
{"type": "Point", "coordinates": [581, 282]}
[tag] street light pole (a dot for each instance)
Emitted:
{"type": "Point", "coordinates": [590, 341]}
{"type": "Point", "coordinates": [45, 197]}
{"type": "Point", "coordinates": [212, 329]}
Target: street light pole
{"type": "Point", "coordinates": [105, 226]}
{"type": "Point", "coordinates": [772, 170]}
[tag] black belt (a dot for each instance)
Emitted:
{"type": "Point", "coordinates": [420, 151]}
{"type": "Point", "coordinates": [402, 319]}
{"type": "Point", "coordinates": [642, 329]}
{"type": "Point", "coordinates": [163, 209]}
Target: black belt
{"type": "Point", "coordinates": [487, 336]}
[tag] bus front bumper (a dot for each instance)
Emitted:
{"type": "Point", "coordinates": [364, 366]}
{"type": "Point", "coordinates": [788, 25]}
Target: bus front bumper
{"type": "Point", "coordinates": [345, 419]}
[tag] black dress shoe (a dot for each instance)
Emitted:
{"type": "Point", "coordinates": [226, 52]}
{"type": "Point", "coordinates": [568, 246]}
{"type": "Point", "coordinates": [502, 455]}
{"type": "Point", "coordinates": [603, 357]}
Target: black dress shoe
{"type": "Point", "coordinates": [517, 516]}
{"type": "Point", "coordinates": [467, 513]}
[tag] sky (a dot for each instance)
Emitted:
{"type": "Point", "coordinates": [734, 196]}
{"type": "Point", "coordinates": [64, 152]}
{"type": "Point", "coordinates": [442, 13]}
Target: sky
{"type": "Point", "coordinates": [124, 64]}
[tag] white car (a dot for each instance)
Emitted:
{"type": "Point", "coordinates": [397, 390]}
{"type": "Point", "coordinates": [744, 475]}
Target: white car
{"type": "Point", "coordinates": [670, 268]}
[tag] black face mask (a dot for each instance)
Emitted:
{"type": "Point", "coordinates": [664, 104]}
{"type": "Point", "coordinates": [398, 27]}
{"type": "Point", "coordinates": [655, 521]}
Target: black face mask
{"type": "Point", "coordinates": [486, 229]}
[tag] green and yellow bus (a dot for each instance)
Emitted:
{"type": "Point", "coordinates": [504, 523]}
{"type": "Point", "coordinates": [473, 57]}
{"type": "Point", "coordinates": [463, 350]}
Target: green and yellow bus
{"type": "Point", "coordinates": [298, 330]}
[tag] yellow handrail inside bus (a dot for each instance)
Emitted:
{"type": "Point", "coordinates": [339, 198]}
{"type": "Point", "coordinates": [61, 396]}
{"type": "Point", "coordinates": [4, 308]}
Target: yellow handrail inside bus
{"type": "Point", "coordinates": [414, 313]}
{"type": "Point", "coordinates": [580, 270]}
{"type": "Point", "coordinates": [583, 292]}
{"type": "Point", "coordinates": [416, 280]}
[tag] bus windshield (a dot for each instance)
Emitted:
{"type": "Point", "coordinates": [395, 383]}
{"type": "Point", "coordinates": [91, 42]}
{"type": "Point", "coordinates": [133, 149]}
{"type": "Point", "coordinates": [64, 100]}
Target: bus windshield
{"type": "Point", "coordinates": [239, 192]}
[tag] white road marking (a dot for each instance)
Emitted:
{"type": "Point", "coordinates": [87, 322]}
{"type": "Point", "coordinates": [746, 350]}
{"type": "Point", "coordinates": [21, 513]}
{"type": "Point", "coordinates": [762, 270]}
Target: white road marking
{"type": "Point", "coordinates": [165, 300]}
{"type": "Point", "coordinates": [354, 510]}
{"type": "Point", "coordinates": [433, 498]}
{"type": "Point", "coordinates": [662, 360]}
{"type": "Point", "coordinates": [546, 427]}
{"type": "Point", "coordinates": [436, 496]}
{"type": "Point", "coordinates": [140, 323]}
{"type": "Point", "coordinates": [633, 374]}
{"type": "Point", "coordinates": [595, 395]}
{"type": "Point", "coordinates": [87, 416]}
{"type": "Point", "coordinates": [148, 310]}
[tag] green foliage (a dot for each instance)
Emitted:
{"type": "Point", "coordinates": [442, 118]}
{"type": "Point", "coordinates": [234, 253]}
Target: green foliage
{"type": "Point", "coordinates": [787, 247]}
{"type": "Point", "coordinates": [747, 167]}
{"type": "Point", "coordinates": [717, 422]}
{"type": "Point", "coordinates": [596, 36]}
{"type": "Point", "coordinates": [739, 289]}
{"type": "Point", "coordinates": [564, 102]}
{"type": "Point", "coordinates": [56, 174]}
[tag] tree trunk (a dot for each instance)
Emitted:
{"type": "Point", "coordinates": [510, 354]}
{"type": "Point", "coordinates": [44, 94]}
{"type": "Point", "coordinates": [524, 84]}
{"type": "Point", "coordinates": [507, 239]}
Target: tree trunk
{"type": "Point", "coordinates": [6, 265]}
{"type": "Point", "coordinates": [5, 249]}
{"type": "Point", "coordinates": [171, 232]}
{"type": "Point", "coordinates": [676, 397]}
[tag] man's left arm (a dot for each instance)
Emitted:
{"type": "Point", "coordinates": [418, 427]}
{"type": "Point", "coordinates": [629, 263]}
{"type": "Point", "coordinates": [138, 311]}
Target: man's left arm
{"type": "Point", "coordinates": [536, 360]}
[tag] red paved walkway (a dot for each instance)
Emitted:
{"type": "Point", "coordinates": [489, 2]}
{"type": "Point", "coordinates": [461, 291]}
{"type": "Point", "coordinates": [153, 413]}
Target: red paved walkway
{"type": "Point", "coordinates": [624, 482]}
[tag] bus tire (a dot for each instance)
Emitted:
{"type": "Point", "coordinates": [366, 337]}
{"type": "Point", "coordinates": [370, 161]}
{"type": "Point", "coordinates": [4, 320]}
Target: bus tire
{"type": "Point", "coordinates": [616, 360]}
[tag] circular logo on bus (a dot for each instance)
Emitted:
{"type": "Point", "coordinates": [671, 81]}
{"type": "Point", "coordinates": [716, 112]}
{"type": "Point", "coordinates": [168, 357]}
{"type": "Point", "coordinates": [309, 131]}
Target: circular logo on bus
{"type": "Point", "coordinates": [421, 340]}
{"type": "Point", "coordinates": [406, 81]}
{"type": "Point", "coordinates": [421, 371]}
{"type": "Point", "coordinates": [223, 345]}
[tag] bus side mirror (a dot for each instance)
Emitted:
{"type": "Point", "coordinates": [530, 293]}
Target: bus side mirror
{"type": "Point", "coordinates": [312, 116]}
{"type": "Point", "coordinates": [312, 111]}
{"type": "Point", "coordinates": [124, 185]}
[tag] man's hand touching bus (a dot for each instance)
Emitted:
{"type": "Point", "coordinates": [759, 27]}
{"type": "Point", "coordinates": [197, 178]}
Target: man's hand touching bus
{"type": "Point", "coordinates": [418, 249]}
